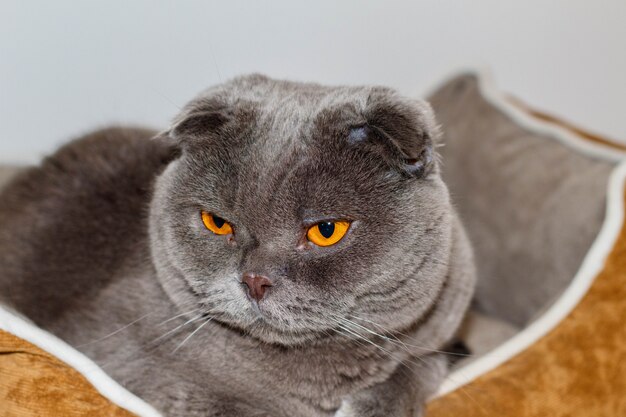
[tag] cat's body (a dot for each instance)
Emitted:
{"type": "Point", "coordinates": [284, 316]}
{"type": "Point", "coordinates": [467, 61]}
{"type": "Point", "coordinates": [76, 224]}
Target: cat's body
{"type": "Point", "coordinates": [98, 250]}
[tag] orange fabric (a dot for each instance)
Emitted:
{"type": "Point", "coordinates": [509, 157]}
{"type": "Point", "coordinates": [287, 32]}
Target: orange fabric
{"type": "Point", "coordinates": [35, 384]}
{"type": "Point", "coordinates": [578, 369]}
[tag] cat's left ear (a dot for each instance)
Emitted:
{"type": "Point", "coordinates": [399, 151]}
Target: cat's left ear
{"type": "Point", "coordinates": [405, 126]}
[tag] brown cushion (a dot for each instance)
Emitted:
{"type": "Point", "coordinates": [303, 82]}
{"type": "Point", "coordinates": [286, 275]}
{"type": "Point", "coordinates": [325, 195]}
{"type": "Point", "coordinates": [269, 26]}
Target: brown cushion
{"type": "Point", "coordinates": [33, 383]}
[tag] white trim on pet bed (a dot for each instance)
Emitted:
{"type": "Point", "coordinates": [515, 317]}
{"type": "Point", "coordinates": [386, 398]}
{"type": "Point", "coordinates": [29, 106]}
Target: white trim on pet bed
{"type": "Point", "coordinates": [590, 268]}
{"type": "Point", "coordinates": [110, 389]}
{"type": "Point", "coordinates": [593, 262]}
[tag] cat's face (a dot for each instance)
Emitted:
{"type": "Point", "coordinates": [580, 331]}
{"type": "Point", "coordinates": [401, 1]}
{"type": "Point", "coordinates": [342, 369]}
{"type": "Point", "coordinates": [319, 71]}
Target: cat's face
{"type": "Point", "coordinates": [274, 159]}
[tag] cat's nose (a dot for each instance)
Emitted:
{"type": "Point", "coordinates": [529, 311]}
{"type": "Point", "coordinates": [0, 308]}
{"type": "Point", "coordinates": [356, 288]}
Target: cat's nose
{"type": "Point", "coordinates": [257, 285]}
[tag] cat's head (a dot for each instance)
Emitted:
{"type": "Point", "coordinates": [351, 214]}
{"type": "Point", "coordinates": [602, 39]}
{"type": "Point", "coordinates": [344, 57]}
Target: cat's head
{"type": "Point", "coordinates": [293, 206]}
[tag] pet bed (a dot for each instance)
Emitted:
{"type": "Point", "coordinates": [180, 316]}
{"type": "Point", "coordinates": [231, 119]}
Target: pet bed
{"type": "Point", "coordinates": [567, 354]}
{"type": "Point", "coordinates": [500, 159]}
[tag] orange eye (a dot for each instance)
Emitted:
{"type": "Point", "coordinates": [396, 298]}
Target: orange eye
{"type": "Point", "coordinates": [216, 224]}
{"type": "Point", "coordinates": [327, 233]}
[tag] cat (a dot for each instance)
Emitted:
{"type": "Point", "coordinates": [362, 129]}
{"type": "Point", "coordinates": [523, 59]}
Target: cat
{"type": "Point", "coordinates": [283, 249]}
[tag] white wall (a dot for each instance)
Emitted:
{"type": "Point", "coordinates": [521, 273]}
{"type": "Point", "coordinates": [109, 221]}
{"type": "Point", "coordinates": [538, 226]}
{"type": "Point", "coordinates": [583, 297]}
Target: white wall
{"type": "Point", "coordinates": [68, 66]}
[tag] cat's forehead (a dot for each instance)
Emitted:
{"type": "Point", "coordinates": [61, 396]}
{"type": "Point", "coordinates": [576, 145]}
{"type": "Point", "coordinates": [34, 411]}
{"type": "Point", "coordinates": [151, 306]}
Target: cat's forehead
{"type": "Point", "coordinates": [256, 129]}
{"type": "Point", "coordinates": [286, 106]}
{"type": "Point", "coordinates": [299, 126]}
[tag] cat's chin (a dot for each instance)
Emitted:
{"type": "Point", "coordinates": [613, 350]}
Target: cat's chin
{"type": "Point", "coordinates": [266, 331]}
{"type": "Point", "coordinates": [263, 328]}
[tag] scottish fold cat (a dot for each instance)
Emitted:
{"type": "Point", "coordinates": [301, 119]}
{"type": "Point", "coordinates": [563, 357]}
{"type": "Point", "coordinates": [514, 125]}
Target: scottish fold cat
{"type": "Point", "coordinates": [283, 249]}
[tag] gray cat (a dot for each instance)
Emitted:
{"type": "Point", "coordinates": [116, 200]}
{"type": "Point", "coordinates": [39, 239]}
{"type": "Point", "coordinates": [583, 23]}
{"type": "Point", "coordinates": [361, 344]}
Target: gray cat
{"type": "Point", "coordinates": [284, 249]}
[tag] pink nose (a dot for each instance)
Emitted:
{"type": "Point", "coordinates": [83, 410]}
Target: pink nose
{"type": "Point", "coordinates": [257, 285]}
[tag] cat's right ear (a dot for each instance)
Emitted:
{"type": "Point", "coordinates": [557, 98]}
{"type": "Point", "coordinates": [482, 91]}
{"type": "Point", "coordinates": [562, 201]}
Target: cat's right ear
{"type": "Point", "coordinates": [405, 127]}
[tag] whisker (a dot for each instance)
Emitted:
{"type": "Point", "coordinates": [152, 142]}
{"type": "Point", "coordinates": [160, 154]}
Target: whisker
{"type": "Point", "coordinates": [364, 328]}
{"type": "Point", "coordinates": [464, 390]}
{"type": "Point", "coordinates": [177, 316]}
{"type": "Point", "coordinates": [392, 338]}
{"type": "Point", "coordinates": [177, 328]}
{"type": "Point", "coordinates": [192, 333]}
{"type": "Point", "coordinates": [365, 339]}
{"type": "Point", "coordinates": [114, 332]}
{"type": "Point", "coordinates": [348, 336]}
{"type": "Point", "coordinates": [146, 347]}
{"type": "Point", "coordinates": [386, 351]}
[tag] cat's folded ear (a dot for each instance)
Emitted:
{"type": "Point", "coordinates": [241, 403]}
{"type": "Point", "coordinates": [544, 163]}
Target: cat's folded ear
{"type": "Point", "coordinates": [406, 127]}
{"type": "Point", "coordinates": [196, 125]}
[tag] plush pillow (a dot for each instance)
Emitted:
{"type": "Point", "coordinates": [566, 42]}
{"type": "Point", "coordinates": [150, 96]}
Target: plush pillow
{"type": "Point", "coordinates": [531, 205]}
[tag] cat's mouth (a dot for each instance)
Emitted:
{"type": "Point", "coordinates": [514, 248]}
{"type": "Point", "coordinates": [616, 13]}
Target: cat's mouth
{"type": "Point", "coordinates": [289, 330]}
{"type": "Point", "coordinates": [267, 331]}
{"type": "Point", "coordinates": [256, 310]}
{"type": "Point", "coordinates": [275, 319]}
{"type": "Point", "coordinates": [260, 321]}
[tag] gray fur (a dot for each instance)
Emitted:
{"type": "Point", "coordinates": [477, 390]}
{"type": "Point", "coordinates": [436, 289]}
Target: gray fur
{"type": "Point", "coordinates": [90, 242]}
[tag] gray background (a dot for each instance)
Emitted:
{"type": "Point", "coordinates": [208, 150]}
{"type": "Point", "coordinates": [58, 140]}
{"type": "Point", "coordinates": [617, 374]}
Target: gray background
{"type": "Point", "coordinates": [68, 66]}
